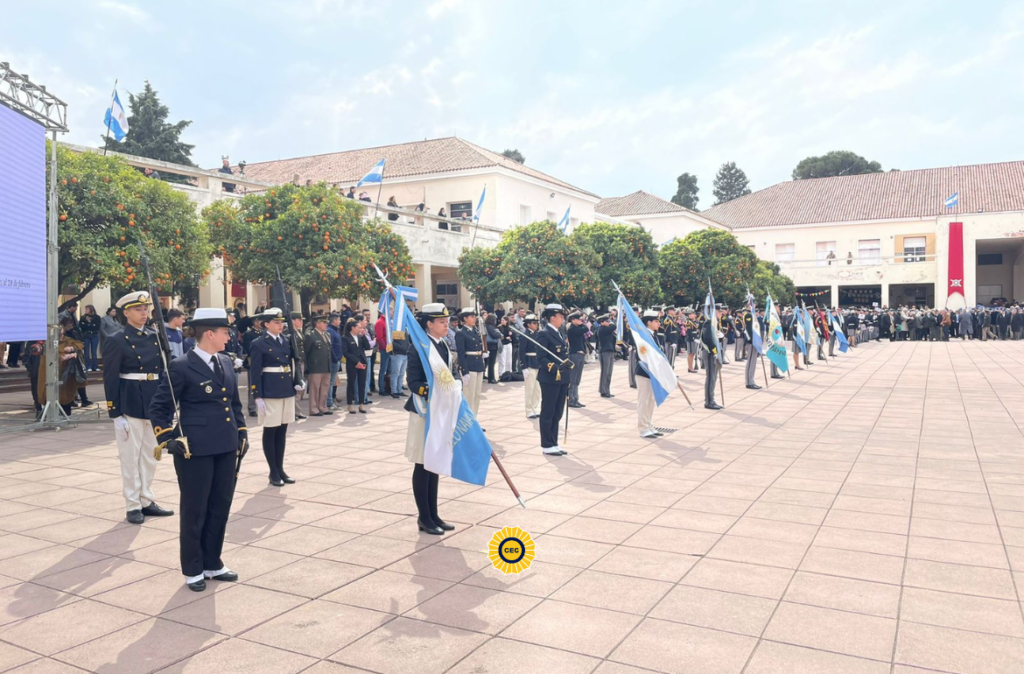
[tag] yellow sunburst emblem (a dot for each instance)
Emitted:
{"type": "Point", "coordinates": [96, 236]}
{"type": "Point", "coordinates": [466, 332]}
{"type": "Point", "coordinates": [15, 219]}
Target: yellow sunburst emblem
{"type": "Point", "coordinates": [511, 550]}
{"type": "Point", "coordinates": [443, 378]}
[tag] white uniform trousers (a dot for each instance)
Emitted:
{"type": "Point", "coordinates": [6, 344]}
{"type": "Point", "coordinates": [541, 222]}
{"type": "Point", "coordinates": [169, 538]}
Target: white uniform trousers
{"type": "Point", "coordinates": [504, 359]}
{"type": "Point", "coordinates": [138, 466]}
{"type": "Point", "coordinates": [531, 391]}
{"type": "Point", "coordinates": [644, 405]}
{"type": "Point", "coordinates": [472, 387]}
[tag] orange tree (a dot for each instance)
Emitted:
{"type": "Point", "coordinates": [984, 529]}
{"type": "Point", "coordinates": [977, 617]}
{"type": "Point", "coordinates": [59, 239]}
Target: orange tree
{"type": "Point", "coordinates": [105, 208]}
{"type": "Point", "coordinates": [318, 240]}
{"type": "Point", "coordinates": [687, 264]}
{"type": "Point", "coordinates": [531, 263]}
{"type": "Point", "coordinates": [628, 258]}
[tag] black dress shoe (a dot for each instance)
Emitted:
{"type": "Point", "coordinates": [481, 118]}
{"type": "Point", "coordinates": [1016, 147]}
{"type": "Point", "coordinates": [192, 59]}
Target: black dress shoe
{"type": "Point", "coordinates": [714, 406]}
{"type": "Point", "coordinates": [431, 529]}
{"type": "Point", "coordinates": [135, 517]}
{"type": "Point", "coordinates": [300, 417]}
{"type": "Point", "coordinates": [606, 395]}
{"type": "Point", "coordinates": [251, 414]}
{"type": "Point", "coordinates": [318, 414]}
{"type": "Point", "coordinates": [153, 510]}
{"type": "Point", "coordinates": [198, 586]}
{"type": "Point", "coordinates": [226, 577]}
{"type": "Point", "coordinates": [444, 525]}
{"type": "Point", "coordinates": [575, 405]}
{"type": "Point", "coordinates": [276, 483]}
{"type": "Point", "coordinates": [328, 413]}
{"type": "Point", "coordinates": [753, 387]}
{"type": "Point", "coordinates": [367, 402]}
{"type": "Point", "coordinates": [777, 376]}
{"type": "Point", "coordinates": [287, 480]}
{"type": "Point", "coordinates": [395, 395]}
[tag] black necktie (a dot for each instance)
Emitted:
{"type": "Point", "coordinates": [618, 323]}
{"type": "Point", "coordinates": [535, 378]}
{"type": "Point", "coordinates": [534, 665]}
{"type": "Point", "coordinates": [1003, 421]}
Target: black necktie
{"type": "Point", "coordinates": [217, 369]}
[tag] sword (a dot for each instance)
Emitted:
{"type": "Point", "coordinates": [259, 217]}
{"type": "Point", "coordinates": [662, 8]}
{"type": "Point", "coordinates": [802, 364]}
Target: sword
{"type": "Point", "coordinates": [561, 361]}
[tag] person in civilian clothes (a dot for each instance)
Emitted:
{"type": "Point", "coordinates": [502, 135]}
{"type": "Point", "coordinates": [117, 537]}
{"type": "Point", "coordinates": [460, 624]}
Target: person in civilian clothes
{"type": "Point", "coordinates": [132, 369]}
{"type": "Point", "coordinates": [711, 362]}
{"type": "Point", "coordinates": [355, 364]}
{"type": "Point", "coordinates": [434, 320]}
{"type": "Point", "coordinates": [337, 351]}
{"type": "Point", "coordinates": [553, 375]}
{"type": "Point", "coordinates": [317, 353]}
{"type": "Point", "coordinates": [470, 349]}
{"type": "Point", "coordinates": [577, 354]}
{"type": "Point", "coordinates": [606, 349]}
{"type": "Point", "coordinates": [368, 342]}
{"type": "Point", "coordinates": [204, 445]}
{"type": "Point", "coordinates": [529, 365]}
{"type": "Point", "coordinates": [273, 386]}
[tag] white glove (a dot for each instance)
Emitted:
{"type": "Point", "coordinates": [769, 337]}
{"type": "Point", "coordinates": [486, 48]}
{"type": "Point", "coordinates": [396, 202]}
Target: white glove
{"type": "Point", "coordinates": [301, 386]}
{"type": "Point", "coordinates": [238, 363]}
{"type": "Point", "coordinates": [121, 428]}
{"type": "Point", "coordinates": [261, 406]}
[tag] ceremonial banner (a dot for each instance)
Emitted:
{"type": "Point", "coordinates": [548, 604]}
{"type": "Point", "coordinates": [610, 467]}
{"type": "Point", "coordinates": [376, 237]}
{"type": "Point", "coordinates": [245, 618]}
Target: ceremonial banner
{"type": "Point", "coordinates": [799, 333]}
{"type": "Point", "coordinates": [454, 445]}
{"type": "Point", "coordinates": [388, 308]}
{"type": "Point", "coordinates": [755, 327]}
{"type": "Point", "coordinates": [810, 334]}
{"type": "Point", "coordinates": [837, 327]}
{"type": "Point", "coordinates": [776, 346]}
{"type": "Point", "coordinates": [652, 359]}
{"type": "Point", "coordinates": [956, 266]}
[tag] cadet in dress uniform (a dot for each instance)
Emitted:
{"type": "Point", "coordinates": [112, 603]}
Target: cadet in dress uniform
{"type": "Point", "coordinates": [711, 363]}
{"type": "Point", "coordinates": [250, 336]}
{"type": "Point", "coordinates": [751, 353]}
{"type": "Point", "coordinates": [273, 387]}
{"type": "Point", "coordinates": [632, 359]}
{"type": "Point", "coordinates": [725, 326]}
{"type": "Point", "coordinates": [553, 376]}
{"type": "Point", "coordinates": [299, 359]}
{"type": "Point", "coordinates": [577, 354]}
{"type": "Point", "coordinates": [212, 424]}
{"type": "Point", "coordinates": [606, 349]}
{"type": "Point", "coordinates": [530, 365]}
{"type": "Point", "coordinates": [470, 349]}
{"type": "Point", "coordinates": [644, 393]}
{"type": "Point", "coordinates": [823, 332]}
{"type": "Point", "coordinates": [672, 334]}
{"type": "Point", "coordinates": [434, 320]}
{"type": "Point", "coordinates": [739, 353]}
{"type": "Point", "coordinates": [132, 368]}
{"type": "Point", "coordinates": [692, 337]}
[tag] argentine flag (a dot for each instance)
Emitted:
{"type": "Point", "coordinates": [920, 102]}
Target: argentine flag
{"type": "Point", "coordinates": [810, 334]}
{"type": "Point", "coordinates": [755, 327]}
{"type": "Point", "coordinates": [454, 445]}
{"type": "Point", "coordinates": [479, 205]}
{"type": "Point", "coordinates": [798, 330]}
{"type": "Point", "coordinates": [394, 319]}
{"type": "Point", "coordinates": [115, 119]}
{"type": "Point", "coordinates": [650, 355]}
{"type": "Point", "coordinates": [952, 201]}
{"type": "Point", "coordinates": [776, 350]}
{"type": "Point", "coordinates": [837, 328]}
{"type": "Point", "coordinates": [375, 176]}
{"type": "Point", "coordinates": [563, 224]}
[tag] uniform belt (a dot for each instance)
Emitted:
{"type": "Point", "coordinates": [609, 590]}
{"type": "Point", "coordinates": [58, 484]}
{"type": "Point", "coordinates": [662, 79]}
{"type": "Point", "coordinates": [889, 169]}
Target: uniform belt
{"type": "Point", "coordinates": [286, 368]}
{"type": "Point", "coordinates": [531, 354]}
{"type": "Point", "coordinates": [141, 376]}
{"type": "Point", "coordinates": [583, 352]}
{"type": "Point", "coordinates": [476, 353]}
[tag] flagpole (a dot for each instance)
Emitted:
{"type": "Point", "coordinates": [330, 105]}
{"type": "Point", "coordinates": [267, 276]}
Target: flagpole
{"type": "Point", "coordinates": [764, 369]}
{"type": "Point", "coordinates": [112, 95]}
{"type": "Point", "coordinates": [380, 186]}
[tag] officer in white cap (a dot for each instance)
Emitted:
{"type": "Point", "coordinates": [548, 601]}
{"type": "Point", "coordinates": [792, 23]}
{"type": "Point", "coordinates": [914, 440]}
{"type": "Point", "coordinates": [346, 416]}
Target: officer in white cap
{"type": "Point", "coordinates": [554, 377]}
{"type": "Point", "coordinates": [644, 393]}
{"type": "Point", "coordinates": [469, 346]}
{"type": "Point", "coordinates": [530, 365]}
{"type": "Point", "coordinates": [132, 369]}
{"type": "Point", "coordinates": [206, 444]}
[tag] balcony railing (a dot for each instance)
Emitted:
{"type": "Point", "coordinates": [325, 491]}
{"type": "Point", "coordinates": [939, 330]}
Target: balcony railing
{"type": "Point", "coordinates": [842, 262]}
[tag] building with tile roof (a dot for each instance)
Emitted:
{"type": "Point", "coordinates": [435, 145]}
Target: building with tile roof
{"type": "Point", "coordinates": [663, 219]}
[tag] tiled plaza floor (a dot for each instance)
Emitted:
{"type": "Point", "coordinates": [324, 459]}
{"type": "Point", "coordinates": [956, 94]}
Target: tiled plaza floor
{"type": "Point", "coordinates": [865, 516]}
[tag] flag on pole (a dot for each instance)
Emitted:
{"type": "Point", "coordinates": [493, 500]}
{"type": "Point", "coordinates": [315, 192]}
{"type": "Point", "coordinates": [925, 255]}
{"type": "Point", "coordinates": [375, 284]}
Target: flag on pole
{"type": "Point", "coordinates": [375, 176]}
{"type": "Point", "coordinates": [650, 356]}
{"type": "Point", "coordinates": [563, 224]}
{"type": "Point", "coordinates": [620, 330]}
{"type": "Point", "coordinates": [115, 119]}
{"type": "Point", "coordinates": [799, 334]}
{"type": "Point", "coordinates": [837, 327]}
{"type": "Point", "coordinates": [388, 308]}
{"type": "Point", "coordinates": [755, 327]}
{"type": "Point", "coordinates": [810, 334]}
{"type": "Point", "coordinates": [709, 315]}
{"type": "Point", "coordinates": [952, 200]}
{"type": "Point", "coordinates": [454, 444]}
{"type": "Point", "coordinates": [479, 205]}
{"type": "Point", "coordinates": [776, 347]}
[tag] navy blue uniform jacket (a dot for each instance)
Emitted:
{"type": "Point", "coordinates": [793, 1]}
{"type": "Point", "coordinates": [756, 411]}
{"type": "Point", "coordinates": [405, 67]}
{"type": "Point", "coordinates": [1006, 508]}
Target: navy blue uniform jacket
{"type": "Point", "coordinates": [131, 351]}
{"type": "Point", "coordinates": [551, 370]}
{"type": "Point", "coordinates": [268, 352]}
{"type": "Point", "coordinates": [211, 412]}
{"type": "Point", "coordinates": [467, 341]}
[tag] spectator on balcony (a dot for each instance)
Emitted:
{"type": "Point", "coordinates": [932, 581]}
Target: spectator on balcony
{"type": "Point", "coordinates": [441, 213]}
{"type": "Point", "coordinates": [150, 173]}
{"type": "Point", "coordinates": [363, 196]}
{"type": "Point", "coordinates": [226, 168]}
{"type": "Point", "coordinates": [392, 204]}
{"type": "Point", "coordinates": [849, 258]}
{"type": "Point", "coordinates": [830, 257]}
{"type": "Point", "coordinates": [351, 194]}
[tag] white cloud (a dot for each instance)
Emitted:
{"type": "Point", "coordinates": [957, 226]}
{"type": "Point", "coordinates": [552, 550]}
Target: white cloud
{"type": "Point", "coordinates": [125, 10]}
{"type": "Point", "coordinates": [440, 7]}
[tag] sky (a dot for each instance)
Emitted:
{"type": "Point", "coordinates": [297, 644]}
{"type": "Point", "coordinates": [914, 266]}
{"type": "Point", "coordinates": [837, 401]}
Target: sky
{"type": "Point", "coordinates": [608, 96]}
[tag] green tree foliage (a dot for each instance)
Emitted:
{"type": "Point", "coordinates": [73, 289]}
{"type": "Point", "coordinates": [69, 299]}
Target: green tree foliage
{"type": "Point", "coordinates": [768, 278]}
{"type": "Point", "coordinates": [686, 192]}
{"type": "Point", "coordinates": [730, 182]}
{"type": "Point", "coordinates": [687, 264]}
{"type": "Point", "coordinates": [835, 163]}
{"type": "Point", "coordinates": [150, 134]}
{"type": "Point", "coordinates": [318, 240]}
{"type": "Point", "coordinates": [533, 262]}
{"type": "Point", "coordinates": [514, 155]}
{"type": "Point", "coordinates": [105, 207]}
{"type": "Point", "coordinates": [628, 258]}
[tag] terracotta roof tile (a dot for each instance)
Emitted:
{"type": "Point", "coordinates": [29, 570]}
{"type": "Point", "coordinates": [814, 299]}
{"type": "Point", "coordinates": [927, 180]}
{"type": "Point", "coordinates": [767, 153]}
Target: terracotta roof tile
{"type": "Point", "coordinates": [878, 196]}
{"type": "Point", "coordinates": [637, 203]}
{"type": "Point", "coordinates": [421, 158]}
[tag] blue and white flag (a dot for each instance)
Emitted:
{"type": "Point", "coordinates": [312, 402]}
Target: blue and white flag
{"type": "Point", "coordinates": [650, 356]}
{"type": "Point", "coordinates": [388, 308]}
{"type": "Point", "coordinates": [479, 205]}
{"type": "Point", "coordinates": [620, 329]}
{"type": "Point", "coordinates": [115, 119]}
{"type": "Point", "coordinates": [375, 176]}
{"type": "Point", "coordinates": [798, 330]}
{"type": "Point", "coordinates": [837, 328]}
{"type": "Point", "coordinates": [776, 350]}
{"type": "Point", "coordinates": [563, 224]}
{"type": "Point", "coordinates": [454, 444]}
{"type": "Point", "coordinates": [755, 327]}
{"type": "Point", "coordinates": [712, 316]}
{"type": "Point", "coordinates": [952, 201]}
{"type": "Point", "coordinates": [810, 333]}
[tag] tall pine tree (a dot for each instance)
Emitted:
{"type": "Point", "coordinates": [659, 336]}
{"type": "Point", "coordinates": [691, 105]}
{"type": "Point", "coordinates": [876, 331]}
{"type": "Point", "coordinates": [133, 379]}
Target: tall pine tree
{"type": "Point", "coordinates": [686, 193]}
{"type": "Point", "coordinates": [731, 182]}
{"type": "Point", "coordinates": [150, 134]}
